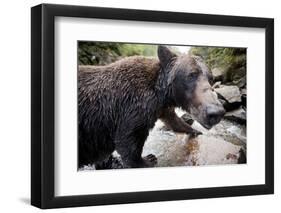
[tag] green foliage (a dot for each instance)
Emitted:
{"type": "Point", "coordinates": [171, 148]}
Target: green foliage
{"type": "Point", "coordinates": [231, 60]}
{"type": "Point", "coordinates": [93, 53]}
{"type": "Point", "coordinates": [138, 49]}
{"type": "Point", "coordinates": [101, 53]}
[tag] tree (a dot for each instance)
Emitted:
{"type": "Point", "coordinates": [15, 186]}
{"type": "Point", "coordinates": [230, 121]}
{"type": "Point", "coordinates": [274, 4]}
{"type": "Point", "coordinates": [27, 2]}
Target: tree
{"type": "Point", "coordinates": [101, 53]}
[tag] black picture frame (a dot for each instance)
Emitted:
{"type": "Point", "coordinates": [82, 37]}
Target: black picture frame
{"type": "Point", "coordinates": [43, 117]}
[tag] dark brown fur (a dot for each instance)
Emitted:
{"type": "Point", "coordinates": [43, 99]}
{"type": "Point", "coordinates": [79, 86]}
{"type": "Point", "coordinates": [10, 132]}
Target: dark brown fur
{"type": "Point", "coordinates": [119, 104]}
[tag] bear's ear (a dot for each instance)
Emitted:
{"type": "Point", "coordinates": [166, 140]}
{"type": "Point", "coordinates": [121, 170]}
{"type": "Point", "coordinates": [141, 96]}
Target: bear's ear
{"type": "Point", "coordinates": [165, 55]}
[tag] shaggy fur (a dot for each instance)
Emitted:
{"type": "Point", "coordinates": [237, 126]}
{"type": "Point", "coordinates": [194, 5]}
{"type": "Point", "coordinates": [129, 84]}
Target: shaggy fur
{"type": "Point", "coordinates": [119, 104]}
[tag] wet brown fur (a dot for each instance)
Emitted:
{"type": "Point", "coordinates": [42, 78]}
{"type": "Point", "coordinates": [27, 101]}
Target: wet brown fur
{"type": "Point", "coordinates": [119, 103]}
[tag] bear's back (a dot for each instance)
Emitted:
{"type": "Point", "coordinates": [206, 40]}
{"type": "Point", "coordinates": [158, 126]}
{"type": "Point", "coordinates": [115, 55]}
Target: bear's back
{"type": "Point", "coordinates": [114, 91]}
{"type": "Point", "coordinates": [137, 71]}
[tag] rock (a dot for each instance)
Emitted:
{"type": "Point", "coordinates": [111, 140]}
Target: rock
{"type": "Point", "coordinates": [236, 134]}
{"type": "Point", "coordinates": [231, 156]}
{"type": "Point", "coordinates": [230, 106]}
{"type": "Point", "coordinates": [229, 93]}
{"type": "Point", "coordinates": [224, 103]}
{"type": "Point", "coordinates": [211, 150]}
{"type": "Point", "coordinates": [244, 91]}
{"type": "Point", "coordinates": [242, 157]}
{"type": "Point", "coordinates": [244, 97]}
{"type": "Point", "coordinates": [244, 100]}
{"type": "Point", "coordinates": [167, 146]}
{"type": "Point", "coordinates": [229, 131]}
{"type": "Point", "coordinates": [220, 145]}
{"type": "Point", "coordinates": [235, 74]}
{"type": "Point", "coordinates": [240, 82]}
{"type": "Point", "coordinates": [216, 85]}
{"type": "Point", "coordinates": [238, 115]}
{"type": "Point", "coordinates": [217, 74]}
{"type": "Point", "coordinates": [229, 96]}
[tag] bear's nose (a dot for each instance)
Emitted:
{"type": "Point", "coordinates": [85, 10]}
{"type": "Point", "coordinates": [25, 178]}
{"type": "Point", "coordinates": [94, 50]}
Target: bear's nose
{"type": "Point", "coordinates": [215, 114]}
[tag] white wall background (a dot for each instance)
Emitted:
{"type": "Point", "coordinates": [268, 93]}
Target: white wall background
{"type": "Point", "coordinates": [15, 105]}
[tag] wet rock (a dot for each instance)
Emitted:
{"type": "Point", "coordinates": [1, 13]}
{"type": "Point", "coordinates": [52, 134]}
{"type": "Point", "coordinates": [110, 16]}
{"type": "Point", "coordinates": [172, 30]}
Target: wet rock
{"type": "Point", "coordinates": [244, 100]}
{"type": "Point", "coordinates": [231, 156]}
{"type": "Point", "coordinates": [217, 74]}
{"type": "Point", "coordinates": [244, 91]}
{"type": "Point", "coordinates": [224, 103]}
{"type": "Point", "coordinates": [242, 157]}
{"type": "Point", "coordinates": [220, 145]}
{"type": "Point", "coordinates": [216, 85]}
{"type": "Point", "coordinates": [244, 97]}
{"type": "Point", "coordinates": [240, 82]}
{"type": "Point", "coordinates": [230, 132]}
{"type": "Point", "coordinates": [211, 150]}
{"type": "Point", "coordinates": [229, 96]}
{"type": "Point", "coordinates": [229, 93]}
{"type": "Point", "coordinates": [167, 146]}
{"type": "Point", "coordinates": [238, 115]}
{"type": "Point", "coordinates": [229, 107]}
{"type": "Point", "coordinates": [236, 134]}
{"type": "Point", "coordinates": [87, 167]}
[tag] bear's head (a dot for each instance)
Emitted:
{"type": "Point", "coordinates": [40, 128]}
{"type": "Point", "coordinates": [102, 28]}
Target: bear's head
{"type": "Point", "coordinates": [189, 78]}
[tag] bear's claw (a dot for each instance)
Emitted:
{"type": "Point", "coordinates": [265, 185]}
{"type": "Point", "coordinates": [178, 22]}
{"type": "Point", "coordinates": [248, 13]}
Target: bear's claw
{"type": "Point", "coordinates": [151, 160]}
{"type": "Point", "coordinates": [195, 133]}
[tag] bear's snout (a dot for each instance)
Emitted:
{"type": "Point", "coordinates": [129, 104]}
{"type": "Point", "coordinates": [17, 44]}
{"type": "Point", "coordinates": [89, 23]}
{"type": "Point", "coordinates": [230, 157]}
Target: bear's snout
{"type": "Point", "coordinates": [214, 114]}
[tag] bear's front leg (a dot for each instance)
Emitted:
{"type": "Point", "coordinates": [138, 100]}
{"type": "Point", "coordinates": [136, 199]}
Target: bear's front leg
{"type": "Point", "coordinates": [130, 145]}
{"type": "Point", "coordinates": [177, 124]}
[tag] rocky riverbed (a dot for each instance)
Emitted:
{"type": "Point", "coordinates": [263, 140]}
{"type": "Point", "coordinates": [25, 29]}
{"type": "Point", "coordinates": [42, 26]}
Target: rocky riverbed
{"type": "Point", "coordinates": [225, 143]}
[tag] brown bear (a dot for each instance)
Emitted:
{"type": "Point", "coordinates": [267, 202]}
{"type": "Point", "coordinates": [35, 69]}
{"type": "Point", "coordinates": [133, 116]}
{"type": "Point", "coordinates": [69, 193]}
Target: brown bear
{"type": "Point", "coordinates": [119, 103]}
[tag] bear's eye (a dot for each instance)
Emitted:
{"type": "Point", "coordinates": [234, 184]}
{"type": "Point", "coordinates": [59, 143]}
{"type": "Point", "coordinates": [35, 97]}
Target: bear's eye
{"type": "Point", "coordinates": [206, 89]}
{"type": "Point", "coordinates": [193, 76]}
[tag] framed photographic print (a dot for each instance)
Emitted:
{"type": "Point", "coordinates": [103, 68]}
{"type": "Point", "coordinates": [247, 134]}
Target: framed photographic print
{"type": "Point", "coordinates": [139, 106]}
